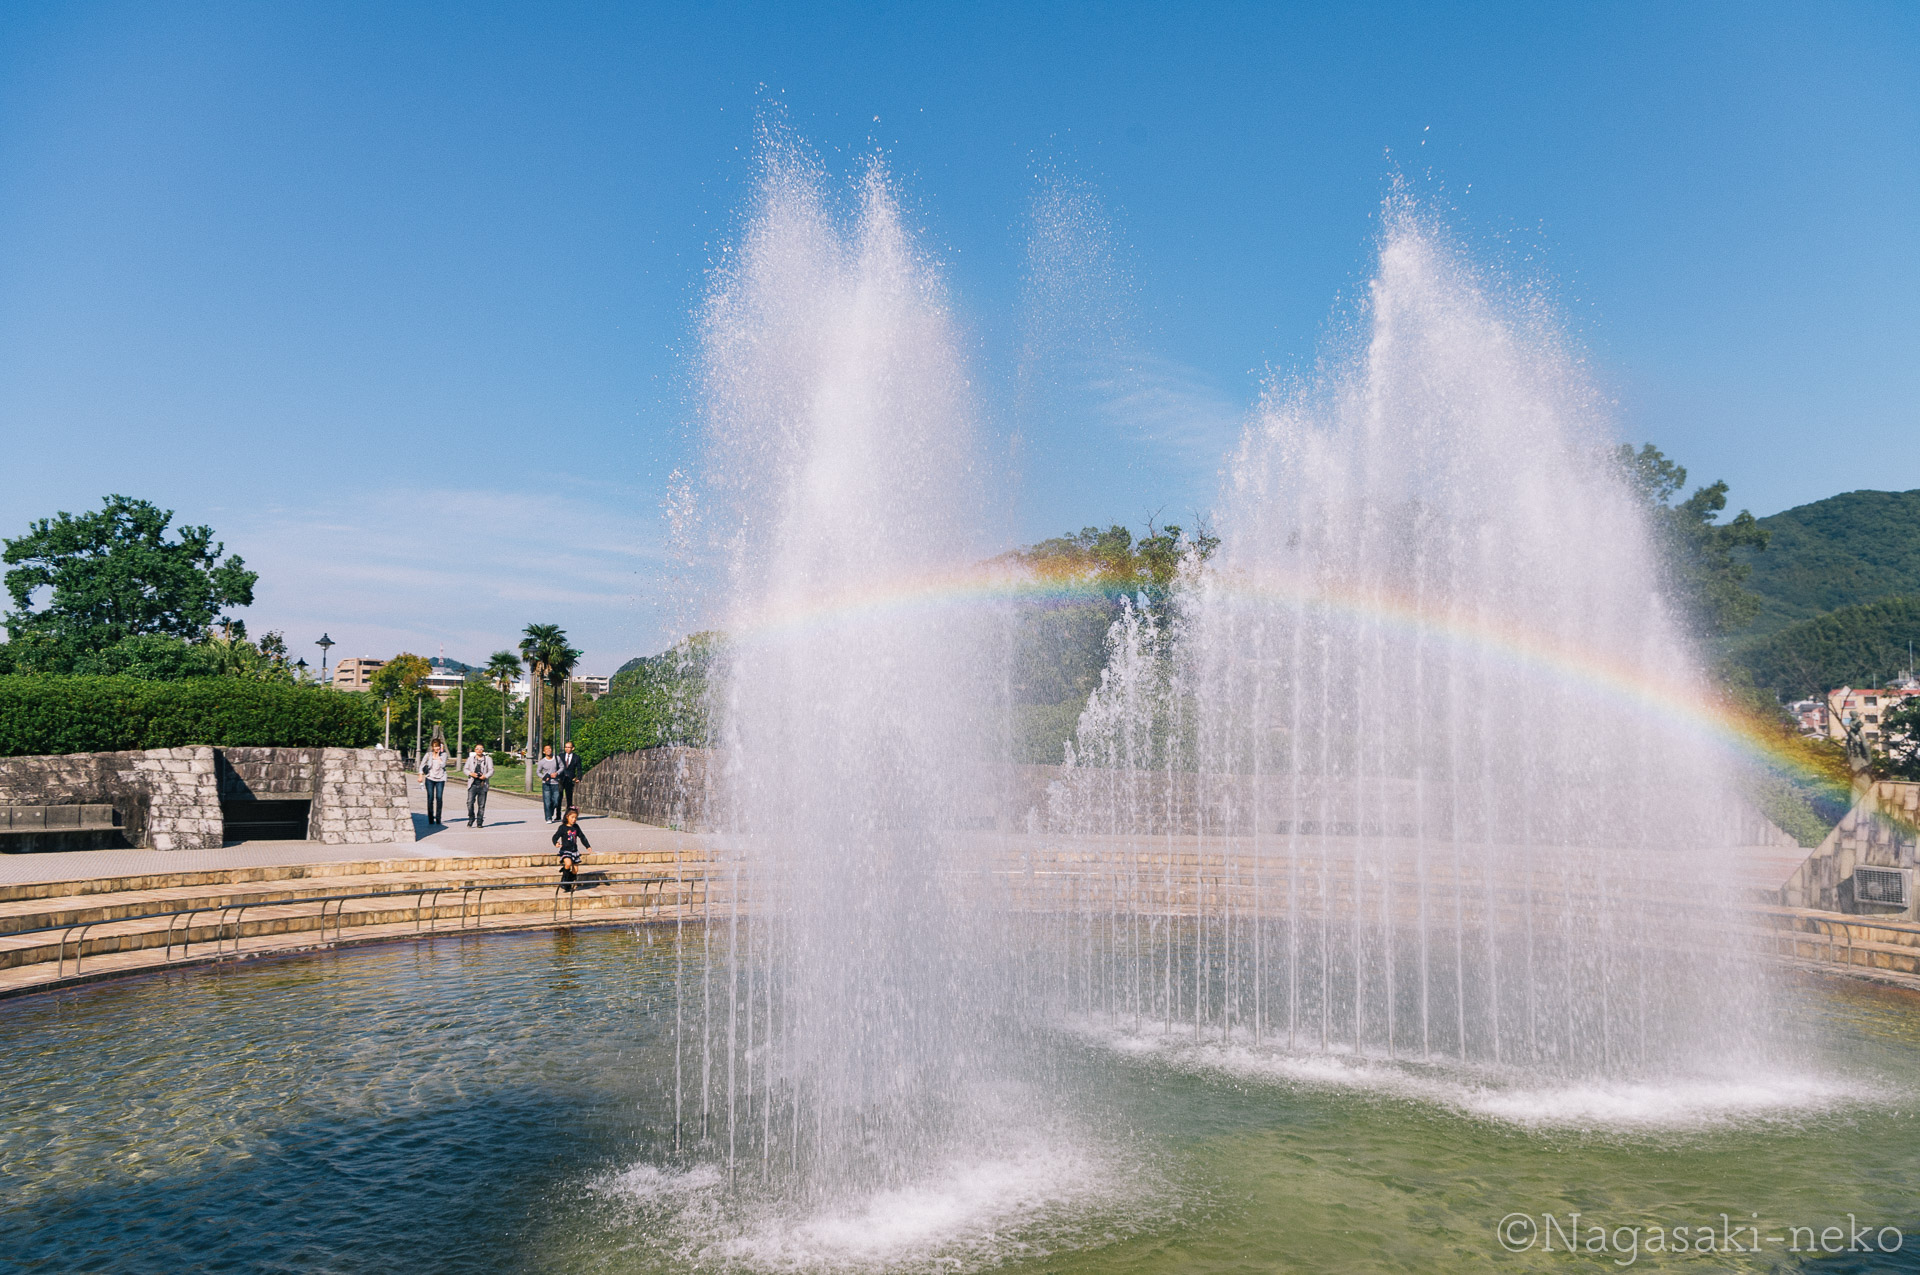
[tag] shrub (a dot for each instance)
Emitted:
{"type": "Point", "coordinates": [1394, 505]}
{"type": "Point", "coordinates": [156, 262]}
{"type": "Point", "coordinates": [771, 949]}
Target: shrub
{"type": "Point", "coordinates": [48, 714]}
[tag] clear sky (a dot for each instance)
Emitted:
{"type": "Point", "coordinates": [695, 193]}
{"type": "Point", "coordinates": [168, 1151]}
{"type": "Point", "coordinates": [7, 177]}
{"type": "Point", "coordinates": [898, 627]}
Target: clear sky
{"type": "Point", "coordinates": [397, 297]}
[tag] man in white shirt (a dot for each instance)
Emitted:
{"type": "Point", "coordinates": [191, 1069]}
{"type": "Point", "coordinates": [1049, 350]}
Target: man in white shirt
{"type": "Point", "coordinates": [479, 769]}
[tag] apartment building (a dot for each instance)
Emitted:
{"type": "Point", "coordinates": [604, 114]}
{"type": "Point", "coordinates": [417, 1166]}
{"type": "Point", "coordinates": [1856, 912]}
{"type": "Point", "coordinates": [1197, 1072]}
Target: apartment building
{"type": "Point", "coordinates": [355, 673]}
{"type": "Point", "coordinates": [1868, 705]}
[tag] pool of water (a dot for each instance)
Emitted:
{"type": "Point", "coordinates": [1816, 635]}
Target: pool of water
{"type": "Point", "coordinates": [506, 1103]}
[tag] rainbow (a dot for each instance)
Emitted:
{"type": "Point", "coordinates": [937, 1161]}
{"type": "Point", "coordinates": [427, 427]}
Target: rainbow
{"type": "Point", "coordinates": [1679, 696]}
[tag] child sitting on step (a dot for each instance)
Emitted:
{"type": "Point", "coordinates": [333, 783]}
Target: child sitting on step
{"type": "Point", "coordinates": [572, 839]}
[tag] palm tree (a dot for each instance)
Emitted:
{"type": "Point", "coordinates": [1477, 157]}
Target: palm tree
{"type": "Point", "coordinates": [502, 668]}
{"type": "Point", "coordinates": [560, 662]}
{"type": "Point", "coordinates": [537, 643]}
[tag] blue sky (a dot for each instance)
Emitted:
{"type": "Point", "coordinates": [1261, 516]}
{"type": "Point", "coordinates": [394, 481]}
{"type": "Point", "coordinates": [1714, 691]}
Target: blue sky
{"type": "Point", "coordinates": [397, 297]}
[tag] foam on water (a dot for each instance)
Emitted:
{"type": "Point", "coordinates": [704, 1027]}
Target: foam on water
{"type": "Point", "coordinates": [1031, 1195]}
{"type": "Point", "coordinates": [1678, 1103]}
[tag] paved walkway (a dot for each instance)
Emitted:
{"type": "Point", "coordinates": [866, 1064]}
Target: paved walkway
{"type": "Point", "coordinates": [514, 827]}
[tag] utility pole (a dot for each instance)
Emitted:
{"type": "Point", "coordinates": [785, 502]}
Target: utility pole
{"type": "Point", "coordinates": [460, 739]}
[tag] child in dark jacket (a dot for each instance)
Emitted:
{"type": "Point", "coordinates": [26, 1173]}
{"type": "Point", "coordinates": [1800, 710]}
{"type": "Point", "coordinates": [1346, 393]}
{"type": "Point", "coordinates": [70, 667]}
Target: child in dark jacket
{"type": "Point", "coordinates": [572, 839]}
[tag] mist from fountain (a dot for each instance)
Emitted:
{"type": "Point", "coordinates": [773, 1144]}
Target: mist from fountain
{"type": "Point", "coordinates": [842, 1027]}
{"type": "Point", "coordinates": [1411, 772]}
{"type": "Point", "coordinates": [1416, 765]}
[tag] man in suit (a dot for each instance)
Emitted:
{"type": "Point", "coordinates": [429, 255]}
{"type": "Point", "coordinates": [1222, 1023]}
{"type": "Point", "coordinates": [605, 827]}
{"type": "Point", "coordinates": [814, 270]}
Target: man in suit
{"type": "Point", "coordinates": [569, 771]}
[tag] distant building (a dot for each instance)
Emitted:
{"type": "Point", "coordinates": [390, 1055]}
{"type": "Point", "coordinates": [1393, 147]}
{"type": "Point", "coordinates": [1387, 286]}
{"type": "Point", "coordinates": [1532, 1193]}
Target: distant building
{"type": "Point", "coordinates": [1811, 714]}
{"type": "Point", "coordinates": [588, 684]}
{"type": "Point", "coordinates": [444, 675]}
{"type": "Point", "coordinates": [1869, 706]}
{"type": "Point", "coordinates": [355, 673]}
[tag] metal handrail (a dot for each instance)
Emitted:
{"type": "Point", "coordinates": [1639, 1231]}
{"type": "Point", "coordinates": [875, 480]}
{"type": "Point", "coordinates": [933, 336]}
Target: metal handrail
{"type": "Point", "coordinates": [428, 912]}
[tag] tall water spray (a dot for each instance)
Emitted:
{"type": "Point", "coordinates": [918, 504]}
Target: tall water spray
{"type": "Point", "coordinates": [1427, 773]}
{"type": "Point", "coordinates": [841, 1025]}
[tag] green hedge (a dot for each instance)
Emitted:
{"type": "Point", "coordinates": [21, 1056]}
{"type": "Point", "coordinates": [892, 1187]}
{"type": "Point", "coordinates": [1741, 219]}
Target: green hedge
{"type": "Point", "coordinates": [46, 714]}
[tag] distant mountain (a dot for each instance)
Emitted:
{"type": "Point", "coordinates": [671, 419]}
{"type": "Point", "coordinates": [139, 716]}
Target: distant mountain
{"type": "Point", "coordinates": [1843, 551]}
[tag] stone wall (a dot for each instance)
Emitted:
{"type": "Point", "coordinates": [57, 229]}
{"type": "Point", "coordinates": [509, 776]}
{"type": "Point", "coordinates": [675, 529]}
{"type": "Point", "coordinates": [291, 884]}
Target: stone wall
{"type": "Point", "coordinates": [169, 798]}
{"type": "Point", "coordinates": [362, 797]}
{"type": "Point", "coordinates": [1881, 831]}
{"type": "Point", "coordinates": [165, 798]}
{"type": "Point", "coordinates": [256, 773]}
{"type": "Point", "coordinates": [666, 786]}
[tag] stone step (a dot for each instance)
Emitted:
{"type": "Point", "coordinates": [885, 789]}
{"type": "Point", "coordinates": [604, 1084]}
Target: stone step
{"type": "Point", "coordinates": [34, 890]}
{"type": "Point", "coordinates": [541, 902]}
{"type": "Point", "coordinates": [44, 975]}
{"type": "Point", "coordinates": [123, 905]}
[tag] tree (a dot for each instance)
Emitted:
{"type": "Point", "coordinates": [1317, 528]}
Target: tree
{"type": "Point", "coordinates": [1703, 575]}
{"type": "Point", "coordinates": [398, 683]}
{"type": "Point", "coordinates": [503, 669]}
{"type": "Point", "coordinates": [1900, 737]}
{"type": "Point", "coordinates": [561, 662]}
{"type": "Point", "coordinates": [544, 648]}
{"type": "Point", "coordinates": [115, 574]}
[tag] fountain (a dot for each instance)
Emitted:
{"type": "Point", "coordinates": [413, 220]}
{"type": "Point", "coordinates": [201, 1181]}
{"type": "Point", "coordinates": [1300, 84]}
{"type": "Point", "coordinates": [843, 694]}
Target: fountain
{"type": "Point", "coordinates": [856, 706]}
{"type": "Point", "coordinates": [1383, 894]}
{"type": "Point", "coordinates": [1414, 765]}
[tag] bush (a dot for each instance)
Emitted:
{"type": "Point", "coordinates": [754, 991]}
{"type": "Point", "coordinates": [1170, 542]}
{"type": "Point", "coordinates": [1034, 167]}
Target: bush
{"type": "Point", "coordinates": [48, 714]}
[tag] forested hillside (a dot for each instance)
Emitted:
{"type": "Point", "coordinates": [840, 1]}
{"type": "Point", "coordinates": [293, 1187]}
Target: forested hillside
{"type": "Point", "coordinates": [1858, 547]}
{"type": "Point", "coordinates": [1853, 646]}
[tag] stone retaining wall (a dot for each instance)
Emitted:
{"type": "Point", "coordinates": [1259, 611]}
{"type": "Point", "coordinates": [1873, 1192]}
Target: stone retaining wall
{"type": "Point", "coordinates": [669, 787]}
{"type": "Point", "coordinates": [166, 798]}
{"type": "Point", "coordinates": [169, 798]}
{"type": "Point", "coordinates": [1881, 831]}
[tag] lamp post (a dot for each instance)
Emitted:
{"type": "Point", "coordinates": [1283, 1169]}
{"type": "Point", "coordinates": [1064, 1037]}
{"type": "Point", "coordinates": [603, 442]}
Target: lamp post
{"type": "Point", "coordinates": [323, 644]}
{"type": "Point", "coordinates": [301, 664]}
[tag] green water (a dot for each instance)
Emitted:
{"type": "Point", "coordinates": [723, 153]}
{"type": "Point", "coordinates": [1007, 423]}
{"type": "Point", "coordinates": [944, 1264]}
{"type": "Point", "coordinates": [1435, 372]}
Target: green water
{"type": "Point", "coordinates": [506, 1104]}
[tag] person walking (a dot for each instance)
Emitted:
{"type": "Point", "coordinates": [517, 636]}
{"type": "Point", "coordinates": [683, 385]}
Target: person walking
{"type": "Point", "coordinates": [549, 769]}
{"type": "Point", "coordinates": [572, 839]}
{"type": "Point", "coordinates": [479, 769]}
{"type": "Point", "coordinates": [569, 771]}
{"type": "Point", "coordinates": [433, 773]}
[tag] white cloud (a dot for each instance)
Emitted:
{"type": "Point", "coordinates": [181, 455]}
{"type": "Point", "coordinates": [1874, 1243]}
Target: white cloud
{"type": "Point", "coordinates": [419, 569]}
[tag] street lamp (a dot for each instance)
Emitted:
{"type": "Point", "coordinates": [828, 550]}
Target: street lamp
{"type": "Point", "coordinates": [301, 664]}
{"type": "Point", "coordinates": [323, 644]}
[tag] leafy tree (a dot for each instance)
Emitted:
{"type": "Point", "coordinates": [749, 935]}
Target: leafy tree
{"type": "Point", "coordinates": [655, 701]}
{"type": "Point", "coordinates": [1900, 737]}
{"type": "Point", "coordinates": [1703, 573]}
{"type": "Point", "coordinates": [398, 683]}
{"type": "Point", "coordinates": [115, 574]}
{"type": "Point", "coordinates": [152, 657]}
{"type": "Point", "coordinates": [476, 706]}
{"type": "Point", "coordinates": [502, 670]}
